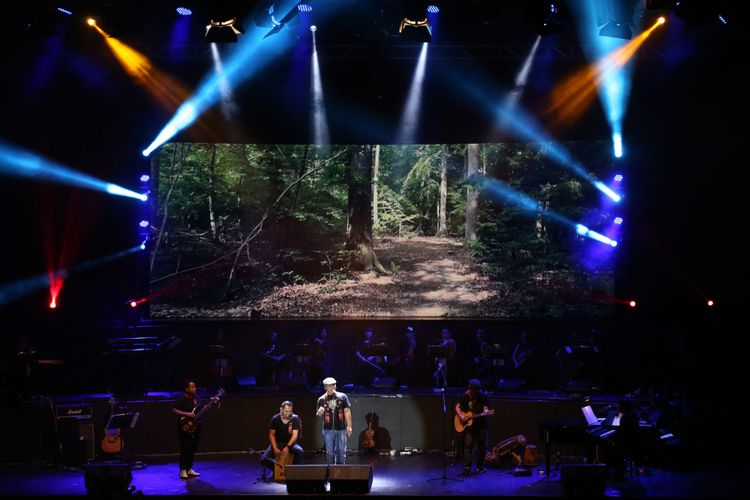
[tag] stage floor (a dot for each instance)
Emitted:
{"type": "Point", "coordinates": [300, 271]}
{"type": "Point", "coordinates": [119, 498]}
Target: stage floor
{"type": "Point", "coordinates": [418, 475]}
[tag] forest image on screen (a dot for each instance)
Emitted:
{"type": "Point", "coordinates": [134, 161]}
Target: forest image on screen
{"type": "Point", "coordinates": [379, 231]}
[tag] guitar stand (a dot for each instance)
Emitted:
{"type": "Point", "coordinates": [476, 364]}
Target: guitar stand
{"type": "Point", "coordinates": [124, 421]}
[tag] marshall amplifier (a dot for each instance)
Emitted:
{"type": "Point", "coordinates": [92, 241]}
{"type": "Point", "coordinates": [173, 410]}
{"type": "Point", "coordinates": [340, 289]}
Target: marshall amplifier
{"type": "Point", "coordinates": [75, 432]}
{"type": "Point", "coordinates": [82, 411]}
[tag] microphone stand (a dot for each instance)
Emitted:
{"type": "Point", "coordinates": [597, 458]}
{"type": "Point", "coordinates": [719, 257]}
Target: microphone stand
{"type": "Point", "coordinates": [445, 477]}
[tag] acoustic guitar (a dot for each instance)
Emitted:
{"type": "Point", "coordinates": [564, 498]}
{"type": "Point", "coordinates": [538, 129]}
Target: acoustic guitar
{"type": "Point", "coordinates": [190, 424]}
{"type": "Point", "coordinates": [460, 426]}
{"type": "Point", "coordinates": [112, 440]}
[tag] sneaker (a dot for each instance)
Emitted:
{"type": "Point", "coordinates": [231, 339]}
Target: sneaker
{"type": "Point", "coordinates": [467, 471]}
{"type": "Point", "coordinates": [191, 472]}
{"type": "Point", "coordinates": [183, 474]}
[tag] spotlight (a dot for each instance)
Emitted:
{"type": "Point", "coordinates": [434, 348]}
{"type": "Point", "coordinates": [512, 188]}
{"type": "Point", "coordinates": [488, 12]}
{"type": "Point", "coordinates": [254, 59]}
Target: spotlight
{"type": "Point", "coordinates": [552, 22]}
{"type": "Point", "coordinates": [632, 303]}
{"type": "Point", "coordinates": [145, 178]}
{"type": "Point", "coordinates": [133, 304]}
{"type": "Point", "coordinates": [184, 11]}
{"type": "Point", "coordinates": [143, 223]}
{"type": "Point", "coordinates": [616, 30]}
{"type": "Point", "coordinates": [223, 31]}
{"type": "Point", "coordinates": [303, 7]}
{"type": "Point", "coordinates": [710, 303]}
{"type": "Point", "coordinates": [618, 178]}
{"type": "Point", "coordinates": [433, 9]}
{"type": "Point", "coordinates": [618, 220]}
{"type": "Point", "coordinates": [91, 21]}
{"type": "Point", "coordinates": [53, 304]}
{"type": "Point", "coordinates": [313, 28]}
{"type": "Point", "coordinates": [416, 31]}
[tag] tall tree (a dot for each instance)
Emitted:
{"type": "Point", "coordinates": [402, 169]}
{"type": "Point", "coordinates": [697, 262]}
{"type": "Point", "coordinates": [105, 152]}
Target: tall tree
{"type": "Point", "coordinates": [375, 179]}
{"type": "Point", "coordinates": [442, 228]}
{"type": "Point", "coordinates": [359, 238]}
{"type": "Point", "coordinates": [211, 180]}
{"type": "Point", "coordinates": [472, 195]}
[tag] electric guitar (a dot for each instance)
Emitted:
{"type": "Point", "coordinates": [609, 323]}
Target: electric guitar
{"type": "Point", "coordinates": [112, 440]}
{"type": "Point", "coordinates": [460, 426]}
{"type": "Point", "coordinates": [191, 424]}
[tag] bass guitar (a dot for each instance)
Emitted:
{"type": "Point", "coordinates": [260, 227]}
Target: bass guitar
{"type": "Point", "coordinates": [191, 424]}
{"type": "Point", "coordinates": [112, 440]}
{"type": "Point", "coordinates": [460, 426]}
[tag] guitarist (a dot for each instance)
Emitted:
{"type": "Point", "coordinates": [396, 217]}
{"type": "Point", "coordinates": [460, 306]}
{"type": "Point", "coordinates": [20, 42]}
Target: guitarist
{"type": "Point", "coordinates": [186, 406]}
{"type": "Point", "coordinates": [283, 433]}
{"type": "Point", "coordinates": [473, 402]}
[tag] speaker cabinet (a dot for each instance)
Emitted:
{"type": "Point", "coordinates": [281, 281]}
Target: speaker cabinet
{"type": "Point", "coordinates": [350, 478]}
{"type": "Point", "coordinates": [107, 479]}
{"type": "Point", "coordinates": [306, 478]}
{"type": "Point", "coordinates": [583, 480]}
{"type": "Point", "coordinates": [77, 440]}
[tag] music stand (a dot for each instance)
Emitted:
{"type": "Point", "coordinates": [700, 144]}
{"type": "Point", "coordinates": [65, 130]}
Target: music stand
{"type": "Point", "coordinates": [123, 421]}
{"type": "Point", "coordinates": [444, 477]}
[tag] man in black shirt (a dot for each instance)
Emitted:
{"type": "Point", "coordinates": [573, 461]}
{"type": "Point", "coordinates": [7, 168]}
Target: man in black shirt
{"type": "Point", "coordinates": [283, 433]}
{"type": "Point", "coordinates": [185, 407]}
{"type": "Point", "coordinates": [471, 410]}
{"type": "Point", "coordinates": [335, 409]}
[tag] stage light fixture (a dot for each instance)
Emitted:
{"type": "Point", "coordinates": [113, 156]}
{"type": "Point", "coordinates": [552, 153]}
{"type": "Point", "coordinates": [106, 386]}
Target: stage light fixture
{"type": "Point", "coordinates": [552, 22]}
{"type": "Point", "coordinates": [710, 303]}
{"type": "Point", "coordinates": [303, 7]}
{"type": "Point", "coordinates": [184, 11]}
{"type": "Point", "coordinates": [632, 303]}
{"type": "Point", "coordinates": [223, 31]}
{"type": "Point", "coordinates": [416, 31]}
{"type": "Point", "coordinates": [616, 30]}
{"type": "Point", "coordinates": [313, 28]}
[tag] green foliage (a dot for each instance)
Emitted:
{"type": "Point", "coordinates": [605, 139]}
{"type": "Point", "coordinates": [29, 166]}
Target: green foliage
{"type": "Point", "coordinates": [394, 267]}
{"type": "Point", "coordinates": [293, 278]}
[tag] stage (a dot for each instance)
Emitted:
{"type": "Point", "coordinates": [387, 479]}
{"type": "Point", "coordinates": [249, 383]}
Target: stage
{"type": "Point", "coordinates": [418, 475]}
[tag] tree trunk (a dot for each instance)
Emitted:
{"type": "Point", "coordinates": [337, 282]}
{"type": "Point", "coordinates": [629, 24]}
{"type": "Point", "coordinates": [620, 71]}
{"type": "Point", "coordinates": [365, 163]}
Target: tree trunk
{"type": "Point", "coordinates": [442, 228]}
{"type": "Point", "coordinates": [375, 177]}
{"type": "Point", "coordinates": [472, 194]}
{"type": "Point", "coordinates": [211, 215]}
{"type": "Point", "coordinates": [359, 238]}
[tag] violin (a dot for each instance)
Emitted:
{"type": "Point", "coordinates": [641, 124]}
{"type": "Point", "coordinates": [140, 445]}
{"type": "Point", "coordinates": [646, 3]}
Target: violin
{"type": "Point", "coordinates": [369, 440]}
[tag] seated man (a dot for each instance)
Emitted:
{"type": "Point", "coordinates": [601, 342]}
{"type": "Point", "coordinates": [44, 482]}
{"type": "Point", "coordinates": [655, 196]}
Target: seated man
{"type": "Point", "coordinates": [283, 433]}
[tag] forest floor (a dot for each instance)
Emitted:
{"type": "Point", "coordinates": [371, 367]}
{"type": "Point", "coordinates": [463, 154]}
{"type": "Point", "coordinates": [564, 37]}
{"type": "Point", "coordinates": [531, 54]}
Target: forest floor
{"type": "Point", "coordinates": [428, 277]}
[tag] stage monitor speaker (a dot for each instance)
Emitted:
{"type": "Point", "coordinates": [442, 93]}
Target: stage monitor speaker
{"type": "Point", "coordinates": [76, 440]}
{"type": "Point", "coordinates": [350, 478]}
{"type": "Point", "coordinates": [384, 382]}
{"type": "Point", "coordinates": [583, 480]}
{"type": "Point", "coordinates": [107, 479]}
{"type": "Point", "coordinates": [306, 478]}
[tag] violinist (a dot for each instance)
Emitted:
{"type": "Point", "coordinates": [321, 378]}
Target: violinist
{"type": "Point", "coordinates": [407, 360]}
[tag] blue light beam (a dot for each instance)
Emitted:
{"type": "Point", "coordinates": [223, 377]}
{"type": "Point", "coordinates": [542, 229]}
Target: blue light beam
{"type": "Point", "coordinates": [19, 163]}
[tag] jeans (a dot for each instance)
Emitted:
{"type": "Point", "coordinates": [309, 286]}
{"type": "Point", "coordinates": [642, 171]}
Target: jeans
{"type": "Point", "coordinates": [336, 442]}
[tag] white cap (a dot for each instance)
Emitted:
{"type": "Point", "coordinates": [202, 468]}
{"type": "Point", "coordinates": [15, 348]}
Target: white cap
{"type": "Point", "coordinates": [329, 381]}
